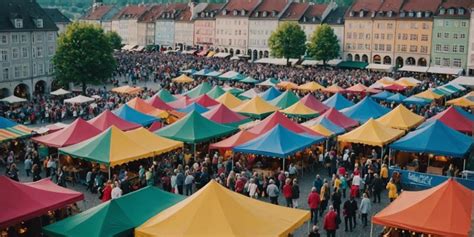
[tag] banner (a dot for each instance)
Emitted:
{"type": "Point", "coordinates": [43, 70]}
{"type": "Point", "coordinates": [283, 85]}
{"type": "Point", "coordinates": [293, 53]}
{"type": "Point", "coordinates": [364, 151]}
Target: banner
{"type": "Point", "coordinates": [425, 181]}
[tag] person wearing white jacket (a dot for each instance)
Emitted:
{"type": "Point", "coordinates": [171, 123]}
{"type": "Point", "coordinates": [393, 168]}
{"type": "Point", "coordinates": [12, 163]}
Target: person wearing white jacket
{"type": "Point", "coordinates": [365, 206]}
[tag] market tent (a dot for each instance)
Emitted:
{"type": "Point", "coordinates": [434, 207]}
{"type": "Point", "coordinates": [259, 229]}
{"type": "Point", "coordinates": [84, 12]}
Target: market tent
{"type": "Point", "coordinates": [182, 79]}
{"type": "Point", "coordinates": [117, 217]}
{"type": "Point", "coordinates": [462, 102]}
{"type": "Point", "coordinates": [314, 104]}
{"type": "Point", "coordinates": [285, 100]}
{"type": "Point", "coordinates": [205, 101]}
{"type": "Point", "coordinates": [455, 120]}
{"type": "Point", "coordinates": [338, 118]}
{"type": "Point", "coordinates": [249, 80]}
{"type": "Point", "coordinates": [250, 93]}
{"type": "Point", "coordinates": [165, 95]}
{"type": "Point", "coordinates": [256, 107]}
{"type": "Point", "coordinates": [10, 130]}
{"type": "Point", "coordinates": [397, 98]}
{"type": "Point", "coordinates": [287, 85]}
{"type": "Point", "coordinates": [193, 107]}
{"type": "Point", "coordinates": [158, 144]}
{"type": "Point", "coordinates": [300, 110]}
{"type": "Point", "coordinates": [365, 109]}
{"type": "Point", "coordinates": [234, 140]}
{"type": "Point", "coordinates": [24, 201]}
{"type": "Point", "coordinates": [271, 82]}
{"type": "Point", "coordinates": [401, 118]}
{"type": "Point", "coordinates": [229, 100]}
{"type": "Point", "coordinates": [80, 99]}
{"type": "Point", "coordinates": [270, 94]}
{"type": "Point", "coordinates": [278, 118]}
{"type": "Point", "coordinates": [158, 103]}
{"type": "Point", "coordinates": [131, 115]}
{"type": "Point", "coordinates": [357, 88]}
{"type": "Point", "coordinates": [233, 90]}
{"type": "Point", "coordinates": [216, 92]}
{"type": "Point", "coordinates": [338, 102]}
{"type": "Point", "coordinates": [111, 147]}
{"type": "Point", "coordinates": [6, 123]}
{"type": "Point", "coordinates": [371, 133]}
{"type": "Point", "coordinates": [60, 92]}
{"type": "Point", "coordinates": [201, 89]}
{"type": "Point", "coordinates": [382, 95]}
{"type": "Point", "coordinates": [324, 126]}
{"type": "Point", "coordinates": [464, 113]}
{"type": "Point", "coordinates": [217, 211]}
{"type": "Point", "coordinates": [404, 81]}
{"type": "Point", "coordinates": [202, 72]}
{"type": "Point", "coordinates": [231, 75]}
{"type": "Point", "coordinates": [194, 128]}
{"type": "Point", "coordinates": [278, 142]}
{"type": "Point", "coordinates": [189, 71]}
{"type": "Point", "coordinates": [155, 126]}
{"type": "Point", "coordinates": [49, 128]}
{"type": "Point", "coordinates": [213, 74]}
{"type": "Point", "coordinates": [395, 87]}
{"type": "Point", "coordinates": [409, 79]}
{"type": "Point", "coordinates": [416, 101]}
{"type": "Point", "coordinates": [106, 119]}
{"type": "Point", "coordinates": [76, 132]}
{"type": "Point", "coordinates": [429, 95]}
{"type": "Point", "coordinates": [223, 115]}
{"type": "Point", "coordinates": [333, 89]}
{"type": "Point", "coordinates": [444, 210]}
{"type": "Point", "coordinates": [127, 89]}
{"type": "Point", "coordinates": [180, 103]}
{"type": "Point", "coordinates": [311, 86]}
{"type": "Point", "coordinates": [436, 138]}
{"type": "Point", "coordinates": [142, 106]}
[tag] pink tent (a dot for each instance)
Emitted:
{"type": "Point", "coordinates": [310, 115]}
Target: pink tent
{"type": "Point", "coordinates": [455, 120]}
{"type": "Point", "coordinates": [107, 119]}
{"type": "Point", "coordinates": [222, 114]}
{"type": "Point", "coordinates": [339, 119]}
{"type": "Point", "coordinates": [76, 132]}
{"type": "Point", "coordinates": [278, 118]}
{"type": "Point", "coordinates": [158, 103]}
{"type": "Point", "coordinates": [205, 101]}
{"type": "Point", "coordinates": [311, 102]}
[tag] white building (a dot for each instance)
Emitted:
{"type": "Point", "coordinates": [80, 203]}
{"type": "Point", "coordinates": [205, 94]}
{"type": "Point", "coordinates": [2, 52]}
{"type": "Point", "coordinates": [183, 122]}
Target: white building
{"type": "Point", "coordinates": [470, 56]}
{"type": "Point", "coordinates": [165, 25]}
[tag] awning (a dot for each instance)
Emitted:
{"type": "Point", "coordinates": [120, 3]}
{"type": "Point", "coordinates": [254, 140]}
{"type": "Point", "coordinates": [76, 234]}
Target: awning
{"type": "Point", "coordinates": [189, 51]}
{"type": "Point", "coordinates": [445, 70]}
{"type": "Point", "coordinates": [381, 67]}
{"type": "Point", "coordinates": [276, 61]}
{"type": "Point", "coordinates": [139, 48]}
{"type": "Point", "coordinates": [372, 133]}
{"type": "Point", "coordinates": [310, 62]}
{"type": "Point", "coordinates": [411, 68]}
{"type": "Point", "coordinates": [462, 80]}
{"type": "Point", "coordinates": [353, 64]}
{"type": "Point", "coordinates": [221, 55]}
{"type": "Point", "coordinates": [60, 91]}
{"type": "Point", "coordinates": [13, 99]}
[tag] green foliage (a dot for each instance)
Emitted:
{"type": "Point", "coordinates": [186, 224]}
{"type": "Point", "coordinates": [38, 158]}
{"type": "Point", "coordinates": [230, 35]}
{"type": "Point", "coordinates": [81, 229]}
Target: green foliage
{"type": "Point", "coordinates": [114, 39]}
{"type": "Point", "coordinates": [84, 56]}
{"type": "Point", "coordinates": [288, 41]}
{"type": "Point", "coordinates": [324, 44]}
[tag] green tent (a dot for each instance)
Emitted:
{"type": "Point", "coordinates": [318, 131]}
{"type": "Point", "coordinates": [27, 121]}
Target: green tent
{"type": "Point", "coordinates": [197, 91]}
{"type": "Point", "coordinates": [165, 96]}
{"type": "Point", "coordinates": [117, 217]}
{"type": "Point", "coordinates": [285, 100]}
{"type": "Point", "coordinates": [216, 92]}
{"type": "Point", "coordinates": [441, 91]}
{"type": "Point", "coordinates": [232, 76]}
{"type": "Point", "coordinates": [249, 80]}
{"type": "Point", "coordinates": [194, 128]}
{"type": "Point", "coordinates": [353, 64]}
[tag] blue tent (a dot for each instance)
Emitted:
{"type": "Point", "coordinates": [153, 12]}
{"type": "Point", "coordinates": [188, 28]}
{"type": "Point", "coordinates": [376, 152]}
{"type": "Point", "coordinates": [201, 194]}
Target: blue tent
{"type": "Point", "coordinates": [213, 74]}
{"type": "Point", "coordinates": [338, 102]}
{"type": "Point", "coordinates": [278, 142]}
{"type": "Point", "coordinates": [435, 138]}
{"type": "Point", "coordinates": [270, 94]}
{"type": "Point", "coordinates": [189, 71]}
{"type": "Point", "coordinates": [462, 112]}
{"type": "Point", "coordinates": [193, 107]}
{"type": "Point", "coordinates": [128, 113]}
{"type": "Point", "coordinates": [365, 110]}
{"type": "Point", "coordinates": [397, 98]}
{"type": "Point", "coordinates": [6, 123]}
{"type": "Point", "coordinates": [202, 72]}
{"type": "Point", "coordinates": [331, 126]}
{"type": "Point", "coordinates": [382, 95]}
{"type": "Point", "coordinates": [413, 100]}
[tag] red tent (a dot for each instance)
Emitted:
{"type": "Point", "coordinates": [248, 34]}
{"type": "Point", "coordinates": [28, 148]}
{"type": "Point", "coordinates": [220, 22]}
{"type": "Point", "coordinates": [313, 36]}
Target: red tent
{"type": "Point", "coordinates": [234, 140]}
{"type": "Point", "coordinates": [311, 102]}
{"type": "Point", "coordinates": [222, 114]}
{"type": "Point", "coordinates": [158, 103]}
{"type": "Point", "coordinates": [278, 118]}
{"type": "Point", "coordinates": [23, 201]}
{"type": "Point", "coordinates": [180, 103]}
{"type": "Point", "coordinates": [155, 126]}
{"type": "Point", "coordinates": [455, 120]}
{"type": "Point", "coordinates": [444, 210]}
{"type": "Point", "coordinates": [339, 119]}
{"type": "Point", "coordinates": [76, 132]}
{"type": "Point", "coordinates": [205, 101]}
{"type": "Point", "coordinates": [357, 88]}
{"type": "Point", "coordinates": [107, 119]}
{"type": "Point", "coordinates": [395, 87]}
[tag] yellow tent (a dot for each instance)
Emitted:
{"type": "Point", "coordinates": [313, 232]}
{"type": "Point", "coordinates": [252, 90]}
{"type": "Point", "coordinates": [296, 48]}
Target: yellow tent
{"type": "Point", "coordinates": [182, 79]}
{"type": "Point", "coordinates": [216, 211]}
{"type": "Point", "coordinates": [461, 101]}
{"type": "Point", "coordinates": [127, 89]}
{"type": "Point", "coordinates": [311, 86]}
{"type": "Point", "coordinates": [371, 133]}
{"type": "Point", "coordinates": [322, 130]}
{"type": "Point", "coordinates": [386, 81]}
{"type": "Point", "coordinates": [405, 82]}
{"type": "Point", "coordinates": [229, 100]}
{"type": "Point", "coordinates": [256, 107]}
{"type": "Point", "coordinates": [299, 109]}
{"type": "Point", "coordinates": [428, 94]}
{"type": "Point", "coordinates": [149, 140]}
{"type": "Point", "coordinates": [287, 85]}
{"type": "Point", "coordinates": [210, 54]}
{"type": "Point", "coordinates": [401, 118]}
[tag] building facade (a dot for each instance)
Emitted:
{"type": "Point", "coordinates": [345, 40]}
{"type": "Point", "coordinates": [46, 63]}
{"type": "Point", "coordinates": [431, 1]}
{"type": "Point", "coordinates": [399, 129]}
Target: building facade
{"type": "Point", "coordinates": [125, 23]}
{"type": "Point", "coordinates": [205, 25]}
{"type": "Point", "coordinates": [184, 27]}
{"type": "Point", "coordinates": [146, 25]}
{"type": "Point", "coordinates": [335, 20]}
{"type": "Point", "coordinates": [101, 15]}
{"type": "Point", "coordinates": [470, 56]}
{"type": "Point", "coordinates": [165, 25]}
{"type": "Point", "coordinates": [58, 18]}
{"type": "Point", "coordinates": [314, 17]}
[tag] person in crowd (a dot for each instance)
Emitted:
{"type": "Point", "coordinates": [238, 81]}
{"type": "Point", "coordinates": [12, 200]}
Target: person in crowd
{"type": "Point", "coordinates": [330, 222]}
{"type": "Point", "coordinates": [125, 185]}
{"type": "Point", "coordinates": [318, 183]}
{"type": "Point", "coordinates": [314, 232]}
{"type": "Point", "coordinates": [313, 202]}
{"type": "Point", "coordinates": [349, 212]}
{"type": "Point", "coordinates": [188, 183]}
{"type": "Point", "coordinates": [36, 172]}
{"type": "Point", "coordinates": [392, 190]}
{"type": "Point", "coordinates": [116, 191]}
{"type": "Point", "coordinates": [344, 185]}
{"type": "Point", "coordinates": [364, 208]}
{"type": "Point", "coordinates": [180, 181]}
{"type": "Point", "coordinates": [295, 193]}
{"type": "Point", "coordinates": [253, 189]}
{"type": "Point", "coordinates": [325, 196]}
{"type": "Point", "coordinates": [377, 187]}
{"type": "Point", "coordinates": [28, 164]}
{"type": "Point", "coordinates": [273, 192]}
{"type": "Point", "coordinates": [107, 191]}
{"type": "Point", "coordinates": [336, 200]}
{"type": "Point", "coordinates": [288, 192]}
{"type": "Point", "coordinates": [384, 173]}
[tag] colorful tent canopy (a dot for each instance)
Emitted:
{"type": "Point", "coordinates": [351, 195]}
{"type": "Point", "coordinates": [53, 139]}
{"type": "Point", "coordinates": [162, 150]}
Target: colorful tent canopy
{"type": "Point", "coordinates": [311, 86]}
{"type": "Point", "coordinates": [250, 93]}
{"type": "Point", "coordinates": [270, 94]}
{"type": "Point", "coordinates": [397, 98]}
{"type": "Point", "coordinates": [285, 100]}
{"type": "Point", "coordinates": [127, 113]}
{"type": "Point", "coordinates": [194, 128]}
{"type": "Point", "coordinates": [213, 74]}
{"type": "Point", "coordinates": [13, 99]}
{"type": "Point", "coordinates": [436, 138]}
{"type": "Point", "coordinates": [111, 147]}
{"type": "Point", "coordinates": [338, 118]}
{"type": "Point", "coordinates": [165, 95]}
{"type": "Point", "coordinates": [429, 95]}
{"type": "Point", "coordinates": [127, 89]}
{"type": "Point", "coordinates": [23, 201]}
{"type": "Point", "coordinates": [158, 103]}
{"type": "Point", "coordinates": [10, 130]}
{"type": "Point", "coordinates": [80, 99]}
{"type": "Point", "coordinates": [6, 123]}
{"type": "Point", "coordinates": [189, 71]}
{"type": "Point", "coordinates": [158, 144]}
{"type": "Point", "coordinates": [314, 104]}
{"type": "Point", "coordinates": [333, 89]}
{"type": "Point", "coordinates": [441, 91]}
{"type": "Point", "coordinates": [193, 107]}
{"type": "Point", "coordinates": [216, 92]}
{"type": "Point", "coordinates": [287, 85]}
{"type": "Point", "coordinates": [357, 88]}
{"type": "Point", "coordinates": [229, 100]}
{"type": "Point", "coordinates": [278, 142]}
{"type": "Point", "coordinates": [256, 107]}
{"type": "Point", "coordinates": [76, 132]}
{"type": "Point", "coordinates": [155, 126]}
{"type": "Point", "coordinates": [298, 109]}
{"type": "Point", "coordinates": [416, 101]}
{"type": "Point", "coordinates": [201, 89]}
{"type": "Point", "coordinates": [223, 115]}
{"type": "Point", "coordinates": [395, 87]}
{"type": "Point", "coordinates": [455, 120]}
{"type": "Point", "coordinates": [324, 126]}
{"type": "Point", "coordinates": [234, 140]}
{"type": "Point", "coordinates": [401, 118]}
{"type": "Point", "coordinates": [231, 75]}
{"type": "Point", "coordinates": [338, 102]}
{"type": "Point", "coordinates": [269, 82]}
{"type": "Point", "coordinates": [106, 119]}
{"type": "Point", "coordinates": [249, 80]}
{"type": "Point", "coordinates": [205, 101]}
{"type": "Point", "coordinates": [464, 113]}
{"type": "Point", "coordinates": [382, 95]}
{"type": "Point", "coordinates": [142, 106]}
{"type": "Point", "coordinates": [182, 79]}
{"type": "Point", "coordinates": [462, 102]}
{"type": "Point", "coordinates": [371, 133]}
{"type": "Point", "coordinates": [202, 72]}
{"type": "Point", "coordinates": [180, 103]}
{"type": "Point", "coordinates": [278, 118]}
{"type": "Point", "coordinates": [365, 109]}
{"type": "Point", "coordinates": [117, 217]}
{"type": "Point", "coordinates": [217, 211]}
{"type": "Point", "coordinates": [444, 210]}
{"type": "Point", "coordinates": [233, 90]}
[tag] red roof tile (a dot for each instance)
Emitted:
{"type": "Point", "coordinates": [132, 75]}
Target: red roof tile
{"type": "Point", "coordinates": [269, 6]}
{"type": "Point", "coordinates": [295, 11]}
{"type": "Point", "coordinates": [185, 15]}
{"type": "Point", "coordinates": [239, 5]}
{"type": "Point", "coordinates": [152, 14]}
{"type": "Point", "coordinates": [466, 4]}
{"type": "Point", "coordinates": [175, 8]}
{"type": "Point", "coordinates": [366, 5]}
{"type": "Point", "coordinates": [421, 5]}
{"type": "Point", "coordinates": [391, 5]}
{"type": "Point", "coordinates": [316, 10]}
{"type": "Point", "coordinates": [97, 13]}
{"type": "Point", "coordinates": [213, 8]}
{"type": "Point", "coordinates": [131, 12]}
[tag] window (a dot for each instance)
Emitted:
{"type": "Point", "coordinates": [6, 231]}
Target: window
{"type": "Point", "coordinates": [24, 38]}
{"type": "Point", "coordinates": [461, 48]}
{"type": "Point", "coordinates": [376, 47]}
{"type": "Point", "coordinates": [349, 35]}
{"type": "Point", "coordinates": [389, 36]}
{"type": "Point", "coordinates": [437, 61]}
{"type": "Point", "coordinates": [446, 23]}
{"type": "Point", "coordinates": [39, 52]}
{"type": "Point", "coordinates": [455, 49]}
{"type": "Point", "coordinates": [40, 68]}
{"type": "Point", "coordinates": [445, 48]}
{"type": "Point", "coordinates": [404, 48]}
{"type": "Point", "coordinates": [3, 55]}
{"type": "Point", "coordinates": [18, 23]}
{"type": "Point", "coordinates": [463, 23]}
{"type": "Point", "coordinates": [6, 74]}
{"type": "Point", "coordinates": [413, 37]}
{"type": "Point", "coordinates": [388, 47]}
{"type": "Point", "coordinates": [50, 36]}
{"type": "Point", "coordinates": [382, 36]}
{"type": "Point", "coordinates": [413, 25]}
{"type": "Point", "coordinates": [446, 35]}
{"type": "Point", "coordinates": [25, 70]}
{"type": "Point", "coordinates": [424, 49]}
{"type": "Point", "coordinates": [424, 37]}
{"type": "Point", "coordinates": [439, 35]}
{"type": "Point", "coordinates": [348, 46]}
{"type": "Point", "coordinates": [15, 53]}
{"type": "Point", "coordinates": [382, 47]}
{"type": "Point", "coordinates": [463, 36]}
{"type": "Point", "coordinates": [451, 11]}
{"type": "Point", "coordinates": [15, 39]}
{"type": "Point", "coordinates": [3, 39]}
{"type": "Point", "coordinates": [438, 48]}
{"type": "Point", "coordinates": [50, 50]}
{"type": "Point", "coordinates": [367, 46]}
{"type": "Point", "coordinates": [376, 36]}
{"type": "Point", "coordinates": [51, 68]}
{"type": "Point", "coordinates": [360, 46]}
{"type": "Point", "coordinates": [390, 26]}
{"type": "Point", "coordinates": [16, 71]}
{"type": "Point", "coordinates": [361, 35]}
{"type": "Point", "coordinates": [455, 36]}
{"type": "Point", "coordinates": [439, 23]}
{"type": "Point", "coordinates": [456, 62]}
{"type": "Point", "coordinates": [413, 48]}
{"type": "Point", "coordinates": [446, 62]}
{"type": "Point", "coordinates": [39, 23]}
{"type": "Point", "coordinates": [34, 69]}
{"type": "Point", "coordinates": [405, 37]}
{"type": "Point", "coordinates": [24, 52]}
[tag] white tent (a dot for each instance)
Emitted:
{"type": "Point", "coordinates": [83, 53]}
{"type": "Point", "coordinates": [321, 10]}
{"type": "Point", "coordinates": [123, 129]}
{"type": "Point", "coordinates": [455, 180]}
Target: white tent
{"type": "Point", "coordinates": [13, 99]}
{"type": "Point", "coordinates": [221, 55]}
{"type": "Point", "coordinates": [267, 82]}
{"type": "Point", "coordinates": [97, 97]}
{"type": "Point", "coordinates": [276, 61]}
{"type": "Point", "coordinates": [465, 81]}
{"type": "Point", "coordinates": [250, 93]}
{"type": "Point", "coordinates": [80, 99]}
{"type": "Point", "coordinates": [60, 92]}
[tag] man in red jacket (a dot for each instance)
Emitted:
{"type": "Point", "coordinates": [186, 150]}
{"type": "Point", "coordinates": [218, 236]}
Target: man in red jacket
{"type": "Point", "coordinates": [313, 203]}
{"type": "Point", "coordinates": [330, 222]}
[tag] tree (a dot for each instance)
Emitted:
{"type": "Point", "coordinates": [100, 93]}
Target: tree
{"type": "Point", "coordinates": [324, 44]}
{"type": "Point", "coordinates": [288, 41]}
{"type": "Point", "coordinates": [84, 56]}
{"type": "Point", "coordinates": [114, 39]}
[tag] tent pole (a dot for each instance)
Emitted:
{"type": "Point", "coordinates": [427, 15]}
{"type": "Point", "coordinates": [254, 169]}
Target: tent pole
{"type": "Point", "coordinates": [381, 154]}
{"type": "Point", "coordinates": [371, 229]}
{"type": "Point", "coordinates": [110, 173]}
{"type": "Point", "coordinates": [284, 164]}
{"type": "Point", "coordinates": [389, 156]}
{"type": "Point", "coordinates": [464, 165]}
{"type": "Point", "coordinates": [194, 151]}
{"type": "Point", "coordinates": [428, 162]}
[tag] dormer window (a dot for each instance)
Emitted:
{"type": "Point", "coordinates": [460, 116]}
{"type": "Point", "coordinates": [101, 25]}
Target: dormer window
{"type": "Point", "coordinates": [361, 14]}
{"type": "Point", "coordinates": [274, 13]}
{"type": "Point", "coordinates": [304, 19]}
{"type": "Point", "coordinates": [427, 14]}
{"type": "Point", "coordinates": [411, 14]}
{"type": "Point", "coordinates": [339, 21]}
{"type": "Point", "coordinates": [18, 23]}
{"type": "Point", "coordinates": [461, 11]}
{"type": "Point", "coordinates": [402, 14]}
{"type": "Point", "coordinates": [390, 13]}
{"type": "Point", "coordinates": [351, 13]}
{"type": "Point", "coordinates": [373, 14]}
{"type": "Point", "coordinates": [39, 23]}
{"type": "Point", "coordinates": [314, 19]}
{"type": "Point", "coordinates": [419, 14]}
{"type": "Point", "coordinates": [242, 13]}
{"type": "Point", "coordinates": [224, 12]}
{"type": "Point", "coordinates": [264, 14]}
{"type": "Point", "coordinates": [212, 14]}
{"type": "Point", "coordinates": [234, 12]}
{"type": "Point", "coordinates": [256, 14]}
{"type": "Point", "coordinates": [442, 11]}
{"type": "Point", "coordinates": [451, 11]}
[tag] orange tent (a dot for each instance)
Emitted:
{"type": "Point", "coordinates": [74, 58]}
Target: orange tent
{"type": "Point", "coordinates": [333, 89]}
{"type": "Point", "coordinates": [443, 210]}
{"type": "Point", "coordinates": [142, 106]}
